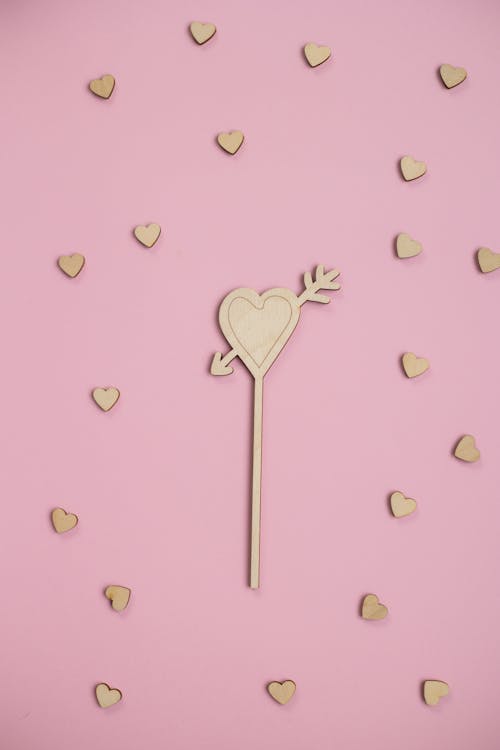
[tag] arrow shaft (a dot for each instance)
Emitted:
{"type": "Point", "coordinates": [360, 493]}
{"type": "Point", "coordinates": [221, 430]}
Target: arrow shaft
{"type": "Point", "coordinates": [229, 357]}
{"type": "Point", "coordinates": [256, 483]}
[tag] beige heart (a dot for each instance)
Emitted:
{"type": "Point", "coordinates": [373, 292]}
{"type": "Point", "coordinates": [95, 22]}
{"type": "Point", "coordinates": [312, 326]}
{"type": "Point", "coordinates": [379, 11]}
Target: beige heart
{"type": "Point", "coordinates": [411, 169]}
{"type": "Point", "coordinates": [231, 142]}
{"type": "Point", "coordinates": [202, 32]}
{"type": "Point", "coordinates": [107, 696]}
{"type": "Point", "coordinates": [71, 264]}
{"type": "Point", "coordinates": [106, 398]}
{"type": "Point", "coordinates": [258, 326]}
{"type": "Point", "coordinates": [466, 449]}
{"type": "Point", "coordinates": [402, 505]}
{"type": "Point", "coordinates": [119, 597]}
{"type": "Point", "coordinates": [315, 55]}
{"type": "Point", "coordinates": [452, 76]}
{"type": "Point", "coordinates": [434, 690]}
{"type": "Point", "coordinates": [282, 691]}
{"type": "Point", "coordinates": [488, 260]}
{"type": "Point", "coordinates": [413, 365]}
{"type": "Point", "coordinates": [406, 247]}
{"type": "Point", "coordinates": [63, 521]}
{"type": "Point", "coordinates": [372, 609]}
{"type": "Point", "coordinates": [147, 235]}
{"type": "Point", "coordinates": [102, 87]}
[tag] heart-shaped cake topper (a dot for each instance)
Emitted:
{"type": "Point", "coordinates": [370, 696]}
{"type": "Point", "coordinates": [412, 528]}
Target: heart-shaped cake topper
{"type": "Point", "coordinates": [282, 691]}
{"type": "Point", "coordinates": [257, 327]}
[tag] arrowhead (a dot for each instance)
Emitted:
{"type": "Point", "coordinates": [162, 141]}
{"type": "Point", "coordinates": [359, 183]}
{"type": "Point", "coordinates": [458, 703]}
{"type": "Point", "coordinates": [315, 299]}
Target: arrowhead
{"type": "Point", "coordinates": [218, 367]}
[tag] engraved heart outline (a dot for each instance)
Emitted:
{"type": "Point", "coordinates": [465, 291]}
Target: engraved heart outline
{"type": "Point", "coordinates": [229, 325]}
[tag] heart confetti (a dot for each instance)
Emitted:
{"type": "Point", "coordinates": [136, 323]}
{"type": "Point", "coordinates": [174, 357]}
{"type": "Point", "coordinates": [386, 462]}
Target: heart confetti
{"type": "Point", "coordinates": [71, 264]}
{"type": "Point", "coordinates": [231, 142]}
{"type": "Point", "coordinates": [466, 449]}
{"type": "Point", "coordinates": [103, 87]}
{"type": "Point", "coordinates": [119, 597]}
{"type": "Point", "coordinates": [63, 521]}
{"type": "Point", "coordinates": [372, 609]}
{"type": "Point", "coordinates": [406, 247]}
{"type": "Point", "coordinates": [107, 696]}
{"type": "Point", "coordinates": [147, 235]}
{"type": "Point", "coordinates": [316, 55]}
{"type": "Point", "coordinates": [401, 505]}
{"type": "Point", "coordinates": [413, 365]}
{"type": "Point", "coordinates": [282, 692]}
{"type": "Point", "coordinates": [202, 32]}
{"type": "Point", "coordinates": [452, 76]}
{"type": "Point", "coordinates": [488, 260]}
{"type": "Point", "coordinates": [411, 169]}
{"type": "Point", "coordinates": [106, 398]}
{"type": "Point", "coordinates": [434, 690]}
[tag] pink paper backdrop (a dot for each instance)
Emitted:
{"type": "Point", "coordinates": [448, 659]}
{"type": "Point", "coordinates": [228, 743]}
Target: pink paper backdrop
{"type": "Point", "coordinates": [161, 483]}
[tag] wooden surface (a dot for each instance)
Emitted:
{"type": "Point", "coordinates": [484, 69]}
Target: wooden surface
{"type": "Point", "coordinates": [406, 247]}
{"type": "Point", "coordinates": [103, 86]}
{"type": "Point", "coordinates": [119, 597]}
{"type": "Point", "coordinates": [282, 691]}
{"type": "Point", "coordinates": [488, 260]}
{"type": "Point", "coordinates": [451, 76]}
{"type": "Point", "coordinates": [434, 690]}
{"type": "Point", "coordinates": [412, 169]}
{"type": "Point", "coordinates": [106, 398]}
{"type": "Point", "coordinates": [401, 505]}
{"type": "Point", "coordinates": [466, 449]}
{"type": "Point", "coordinates": [63, 521]}
{"type": "Point", "coordinates": [231, 141]}
{"type": "Point", "coordinates": [202, 32]}
{"type": "Point", "coordinates": [71, 264]}
{"type": "Point", "coordinates": [372, 608]}
{"type": "Point", "coordinates": [413, 365]}
{"type": "Point", "coordinates": [107, 696]}
{"type": "Point", "coordinates": [316, 55]}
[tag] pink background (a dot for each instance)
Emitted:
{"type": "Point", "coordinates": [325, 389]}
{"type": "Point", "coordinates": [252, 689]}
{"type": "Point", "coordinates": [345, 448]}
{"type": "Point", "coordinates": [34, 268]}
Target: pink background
{"type": "Point", "coordinates": [161, 483]}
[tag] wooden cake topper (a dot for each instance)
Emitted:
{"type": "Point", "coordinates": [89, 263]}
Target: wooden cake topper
{"type": "Point", "coordinates": [257, 327]}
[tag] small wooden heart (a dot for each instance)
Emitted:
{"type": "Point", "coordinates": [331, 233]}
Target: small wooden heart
{"type": "Point", "coordinates": [63, 521]}
{"type": "Point", "coordinates": [231, 141]}
{"type": "Point", "coordinates": [107, 696]}
{"type": "Point", "coordinates": [258, 325]}
{"type": "Point", "coordinates": [119, 597]}
{"type": "Point", "coordinates": [406, 247]}
{"type": "Point", "coordinates": [106, 398]}
{"type": "Point", "coordinates": [71, 264]}
{"type": "Point", "coordinates": [282, 691]}
{"type": "Point", "coordinates": [488, 260]}
{"type": "Point", "coordinates": [466, 449]}
{"type": "Point", "coordinates": [434, 690]}
{"type": "Point", "coordinates": [411, 169]}
{"type": "Point", "coordinates": [452, 76]}
{"type": "Point", "coordinates": [202, 32]}
{"type": "Point", "coordinates": [103, 87]}
{"type": "Point", "coordinates": [372, 609]}
{"type": "Point", "coordinates": [316, 55]}
{"type": "Point", "coordinates": [413, 365]}
{"type": "Point", "coordinates": [402, 505]}
{"type": "Point", "coordinates": [147, 235]}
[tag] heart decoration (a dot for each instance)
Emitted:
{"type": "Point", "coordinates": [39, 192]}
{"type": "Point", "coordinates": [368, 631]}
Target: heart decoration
{"type": "Point", "coordinates": [202, 32]}
{"type": "Point", "coordinates": [452, 76]}
{"type": "Point", "coordinates": [402, 505]}
{"type": "Point", "coordinates": [316, 55]}
{"type": "Point", "coordinates": [282, 692]}
{"type": "Point", "coordinates": [62, 521]}
{"type": "Point", "coordinates": [107, 696]}
{"type": "Point", "coordinates": [258, 325]}
{"type": "Point", "coordinates": [372, 609]}
{"type": "Point", "coordinates": [147, 235]}
{"type": "Point", "coordinates": [434, 690]}
{"type": "Point", "coordinates": [119, 597]}
{"type": "Point", "coordinates": [406, 247]}
{"type": "Point", "coordinates": [466, 449]}
{"type": "Point", "coordinates": [413, 365]}
{"type": "Point", "coordinates": [231, 142]}
{"type": "Point", "coordinates": [106, 398]}
{"type": "Point", "coordinates": [71, 264]}
{"type": "Point", "coordinates": [103, 87]}
{"type": "Point", "coordinates": [411, 169]}
{"type": "Point", "coordinates": [488, 260]}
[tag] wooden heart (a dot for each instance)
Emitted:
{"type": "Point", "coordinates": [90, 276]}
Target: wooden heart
{"type": "Point", "coordinates": [282, 691]}
{"type": "Point", "coordinates": [106, 398]}
{"type": "Point", "coordinates": [202, 32]}
{"type": "Point", "coordinates": [107, 696]}
{"type": "Point", "coordinates": [488, 260]}
{"type": "Point", "coordinates": [452, 76]}
{"type": "Point", "coordinates": [402, 505]}
{"type": "Point", "coordinates": [63, 521]}
{"type": "Point", "coordinates": [411, 169]}
{"type": "Point", "coordinates": [316, 55]}
{"type": "Point", "coordinates": [258, 325]}
{"type": "Point", "coordinates": [434, 690]}
{"type": "Point", "coordinates": [102, 87]}
{"type": "Point", "coordinates": [71, 264]}
{"type": "Point", "coordinates": [231, 142]}
{"type": "Point", "coordinates": [413, 365]}
{"type": "Point", "coordinates": [466, 449]}
{"type": "Point", "coordinates": [372, 609]}
{"type": "Point", "coordinates": [147, 235]}
{"type": "Point", "coordinates": [119, 597]}
{"type": "Point", "coordinates": [406, 247]}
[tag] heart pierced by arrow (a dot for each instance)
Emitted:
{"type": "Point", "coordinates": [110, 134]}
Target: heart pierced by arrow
{"type": "Point", "coordinates": [257, 327]}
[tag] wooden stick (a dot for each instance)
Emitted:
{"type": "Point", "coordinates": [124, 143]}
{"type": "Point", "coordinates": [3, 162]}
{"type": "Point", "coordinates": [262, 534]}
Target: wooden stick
{"type": "Point", "coordinates": [256, 483]}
